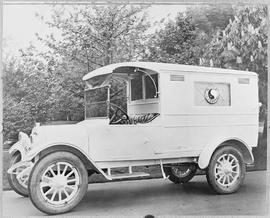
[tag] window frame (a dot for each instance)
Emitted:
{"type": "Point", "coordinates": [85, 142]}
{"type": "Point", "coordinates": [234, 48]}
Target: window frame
{"type": "Point", "coordinates": [107, 102]}
{"type": "Point", "coordinates": [130, 95]}
{"type": "Point", "coordinates": [144, 99]}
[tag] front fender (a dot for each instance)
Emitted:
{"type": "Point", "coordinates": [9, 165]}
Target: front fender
{"type": "Point", "coordinates": [18, 146]}
{"type": "Point", "coordinates": [208, 151]}
{"type": "Point", "coordinates": [35, 153]}
{"type": "Point", "coordinates": [36, 150]}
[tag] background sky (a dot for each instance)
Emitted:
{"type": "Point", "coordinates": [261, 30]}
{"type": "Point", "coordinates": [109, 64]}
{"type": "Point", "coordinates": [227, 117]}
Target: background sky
{"type": "Point", "coordinates": [20, 23]}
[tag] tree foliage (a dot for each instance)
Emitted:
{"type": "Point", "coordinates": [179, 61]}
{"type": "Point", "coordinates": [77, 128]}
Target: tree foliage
{"type": "Point", "coordinates": [175, 43]}
{"type": "Point", "coordinates": [242, 45]}
{"type": "Point", "coordinates": [28, 92]}
{"type": "Point", "coordinates": [210, 18]}
{"type": "Point", "coordinates": [99, 35]}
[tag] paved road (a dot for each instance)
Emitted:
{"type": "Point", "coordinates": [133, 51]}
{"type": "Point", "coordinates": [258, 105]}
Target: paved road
{"type": "Point", "coordinates": [158, 197]}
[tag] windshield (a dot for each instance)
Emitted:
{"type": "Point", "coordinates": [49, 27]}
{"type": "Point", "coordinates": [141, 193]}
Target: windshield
{"type": "Point", "coordinates": [96, 102]}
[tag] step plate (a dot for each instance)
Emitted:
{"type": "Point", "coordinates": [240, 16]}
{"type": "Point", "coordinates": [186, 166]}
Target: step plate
{"type": "Point", "coordinates": [128, 175]}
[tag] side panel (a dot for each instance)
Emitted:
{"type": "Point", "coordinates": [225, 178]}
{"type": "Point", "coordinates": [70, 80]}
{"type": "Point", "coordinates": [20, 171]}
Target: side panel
{"type": "Point", "coordinates": [175, 91]}
{"type": "Point", "coordinates": [214, 122]}
{"type": "Point", "coordinates": [193, 126]}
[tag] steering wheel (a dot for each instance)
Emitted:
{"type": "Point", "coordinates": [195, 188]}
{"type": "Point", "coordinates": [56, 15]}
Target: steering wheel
{"type": "Point", "coordinates": [119, 116]}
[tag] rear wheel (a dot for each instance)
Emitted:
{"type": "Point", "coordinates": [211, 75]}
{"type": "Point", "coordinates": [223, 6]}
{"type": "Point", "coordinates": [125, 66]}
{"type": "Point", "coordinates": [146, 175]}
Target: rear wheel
{"type": "Point", "coordinates": [182, 173]}
{"type": "Point", "coordinates": [18, 185]}
{"type": "Point", "coordinates": [58, 182]}
{"type": "Point", "coordinates": [226, 170]}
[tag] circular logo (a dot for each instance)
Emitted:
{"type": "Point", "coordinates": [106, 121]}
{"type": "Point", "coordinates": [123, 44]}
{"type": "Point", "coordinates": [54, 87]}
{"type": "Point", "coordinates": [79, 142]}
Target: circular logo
{"type": "Point", "coordinates": [211, 95]}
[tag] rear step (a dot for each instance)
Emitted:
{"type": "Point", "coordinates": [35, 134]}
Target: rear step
{"type": "Point", "coordinates": [129, 175]}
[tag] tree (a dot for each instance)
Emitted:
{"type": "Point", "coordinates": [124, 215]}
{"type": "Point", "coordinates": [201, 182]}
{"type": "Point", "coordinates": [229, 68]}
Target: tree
{"type": "Point", "coordinates": [208, 20]}
{"type": "Point", "coordinates": [95, 36]}
{"type": "Point", "coordinates": [27, 94]}
{"type": "Point", "coordinates": [242, 45]}
{"type": "Point", "coordinates": [175, 43]}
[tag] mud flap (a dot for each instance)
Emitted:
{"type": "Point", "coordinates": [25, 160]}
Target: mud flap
{"type": "Point", "coordinates": [162, 171]}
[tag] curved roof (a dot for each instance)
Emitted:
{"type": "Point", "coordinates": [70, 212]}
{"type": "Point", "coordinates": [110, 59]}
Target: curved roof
{"type": "Point", "coordinates": [162, 67]}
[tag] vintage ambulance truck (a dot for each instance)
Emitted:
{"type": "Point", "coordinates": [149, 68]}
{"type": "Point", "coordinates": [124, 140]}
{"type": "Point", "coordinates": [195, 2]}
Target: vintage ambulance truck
{"type": "Point", "coordinates": [180, 118]}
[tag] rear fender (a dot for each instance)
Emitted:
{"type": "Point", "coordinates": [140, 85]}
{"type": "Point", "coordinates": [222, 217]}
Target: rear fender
{"type": "Point", "coordinates": [208, 151]}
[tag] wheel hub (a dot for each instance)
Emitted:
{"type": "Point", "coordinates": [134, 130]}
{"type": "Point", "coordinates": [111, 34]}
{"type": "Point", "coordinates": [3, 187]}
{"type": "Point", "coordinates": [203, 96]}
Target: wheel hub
{"type": "Point", "coordinates": [227, 170]}
{"type": "Point", "coordinates": [59, 182]}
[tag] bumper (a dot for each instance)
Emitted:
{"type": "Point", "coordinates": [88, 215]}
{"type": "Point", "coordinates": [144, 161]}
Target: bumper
{"type": "Point", "coordinates": [25, 166]}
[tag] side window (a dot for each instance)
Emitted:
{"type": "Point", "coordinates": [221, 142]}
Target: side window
{"type": "Point", "coordinates": [150, 87]}
{"type": "Point", "coordinates": [136, 89]}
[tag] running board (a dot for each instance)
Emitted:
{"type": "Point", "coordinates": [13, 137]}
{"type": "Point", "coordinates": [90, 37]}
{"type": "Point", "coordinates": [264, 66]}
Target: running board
{"type": "Point", "coordinates": [128, 175]}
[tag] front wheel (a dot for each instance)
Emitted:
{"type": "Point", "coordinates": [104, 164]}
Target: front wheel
{"type": "Point", "coordinates": [58, 182]}
{"type": "Point", "coordinates": [226, 170]}
{"type": "Point", "coordinates": [182, 173]}
{"type": "Point", "coordinates": [19, 185]}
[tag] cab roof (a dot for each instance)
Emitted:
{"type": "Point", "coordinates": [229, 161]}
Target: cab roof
{"type": "Point", "coordinates": [163, 68]}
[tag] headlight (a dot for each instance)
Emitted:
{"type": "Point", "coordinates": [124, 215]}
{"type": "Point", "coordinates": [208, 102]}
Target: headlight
{"type": "Point", "coordinates": [23, 137]}
{"type": "Point", "coordinates": [25, 140]}
{"type": "Point", "coordinates": [33, 135]}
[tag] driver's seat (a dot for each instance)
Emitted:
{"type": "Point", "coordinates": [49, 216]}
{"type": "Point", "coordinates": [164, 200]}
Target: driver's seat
{"type": "Point", "coordinates": [142, 118]}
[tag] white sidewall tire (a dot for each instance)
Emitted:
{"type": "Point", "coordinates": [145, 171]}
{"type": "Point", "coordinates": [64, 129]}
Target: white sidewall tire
{"type": "Point", "coordinates": [38, 170]}
{"type": "Point", "coordinates": [13, 181]}
{"type": "Point", "coordinates": [211, 174]}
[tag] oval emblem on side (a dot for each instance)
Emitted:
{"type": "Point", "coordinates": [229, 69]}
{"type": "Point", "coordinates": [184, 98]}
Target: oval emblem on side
{"type": "Point", "coordinates": [211, 95]}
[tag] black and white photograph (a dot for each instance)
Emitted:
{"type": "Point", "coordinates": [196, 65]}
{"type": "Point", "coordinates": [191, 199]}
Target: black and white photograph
{"type": "Point", "coordinates": [134, 108]}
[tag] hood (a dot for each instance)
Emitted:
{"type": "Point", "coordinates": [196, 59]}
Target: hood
{"type": "Point", "coordinates": [69, 133]}
{"type": "Point", "coordinates": [58, 134]}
